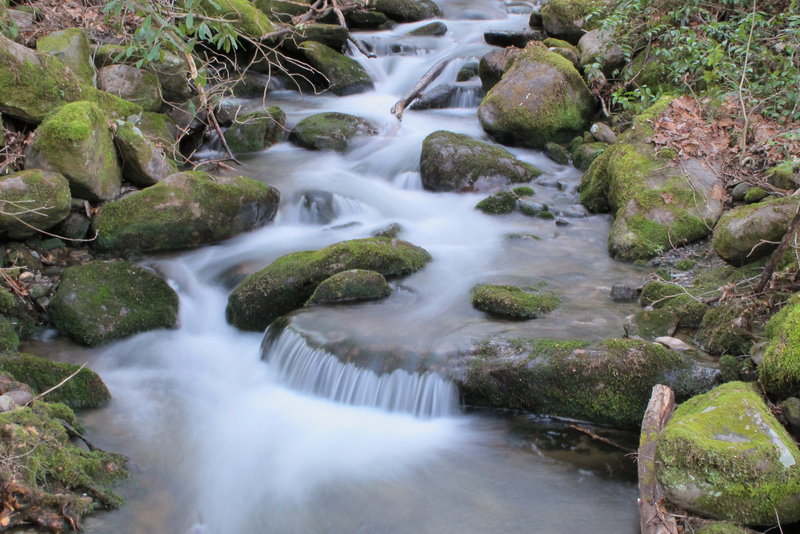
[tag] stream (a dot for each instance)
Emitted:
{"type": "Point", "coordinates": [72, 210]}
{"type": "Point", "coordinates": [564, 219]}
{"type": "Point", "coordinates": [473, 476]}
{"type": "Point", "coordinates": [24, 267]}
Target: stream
{"type": "Point", "coordinates": [228, 433]}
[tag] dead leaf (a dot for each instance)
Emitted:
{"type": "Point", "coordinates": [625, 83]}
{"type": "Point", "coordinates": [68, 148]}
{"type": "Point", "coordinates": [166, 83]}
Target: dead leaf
{"type": "Point", "coordinates": [667, 197]}
{"type": "Point", "coordinates": [717, 192]}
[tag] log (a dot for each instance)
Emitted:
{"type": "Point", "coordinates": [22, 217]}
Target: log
{"type": "Point", "coordinates": [420, 86]}
{"type": "Point", "coordinates": [654, 517]}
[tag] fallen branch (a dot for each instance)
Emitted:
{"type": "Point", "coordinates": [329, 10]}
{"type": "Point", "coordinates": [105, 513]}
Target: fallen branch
{"type": "Point", "coordinates": [600, 438]}
{"type": "Point", "coordinates": [415, 91]}
{"type": "Point", "coordinates": [769, 268]}
{"type": "Point", "coordinates": [42, 394]}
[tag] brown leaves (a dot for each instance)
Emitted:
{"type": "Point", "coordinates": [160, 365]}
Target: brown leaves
{"type": "Point", "coordinates": [683, 127]}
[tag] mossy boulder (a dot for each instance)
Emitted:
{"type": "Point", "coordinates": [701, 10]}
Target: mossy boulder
{"type": "Point", "coordinates": [755, 194]}
{"type": "Point", "coordinates": [780, 371]}
{"type": "Point", "coordinates": [282, 10]}
{"type": "Point", "coordinates": [432, 29]}
{"type": "Point", "coordinates": [725, 456]}
{"type": "Point", "coordinates": [9, 340]}
{"type": "Point", "coordinates": [749, 232]}
{"type": "Point", "coordinates": [597, 47]}
{"type": "Point", "coordinates": [724, 329]}
{"type": "Point", "coordinates": [288, 282]}
{"type": "Point", "coordinates": [586, 153]}
{"type": "Point", "coordinates": [331, 131]}
{"type": "Point", "coordinates": [566, 19]}
{"type": "Point", "coordinates": [134, 85]}
{"type": "Point", "coordinates": [407, 10]}
{"type": "Point", "coordinates": [185, 210]}
{"type": "Point", "coordinates": [343, 75]}
{"type": "Point", "coordinates": [71, 47]}
{"type": "Point", "coordinates": [608, 382]}
{"type": "Point", "coordinates": [159, 129]}
{"type": "Point", "coordinates": [511, 302]}
{"type": "Point", "coordinates": [500, 203]}
{"type": "Point", "coordinates": [557, 153]}
{"type": "Point", "coordinates": [45, 192]}
{"type": "Point", "coordinates": [541, 98]}
{"type": "Point", "coordinates": [457, 162]}
{"type": "Point", "coordinates": [76, 141]}
{"type": "Point", "coordinates": [143, 163]}
{"type": "Point", "coordinates": [493, 66]}
{"type": "Point", "coordinates": [256, 131]}
{"type": "Point", "coordinates": [101, 301]}
{"type": "Point", "coordinates": [244, 16]}
{"type": "Point", "coordinates": [172, 70]}
{"type": "Point", "coordinates": [651, 324]}
{"type": "Point", "coordinates": [84, 390]}
{"type": "Point", "coordinates": [331, 35]}
{"type": "Point", "coordinates": [351, 286]}
{"type": "Point", "coordinates": [785, 175]}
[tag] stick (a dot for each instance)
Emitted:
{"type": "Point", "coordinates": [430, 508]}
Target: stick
{"type": "Point", "coordinates": [415, 91]}
{"type": "Point", "coordinates": [600, 438]}
{"type": "Point", "coordinates": [361, 48]}
{"type": "Point", "coordinates": [769, 268]}
{"type": "Point", "coordinates": [40, 395]}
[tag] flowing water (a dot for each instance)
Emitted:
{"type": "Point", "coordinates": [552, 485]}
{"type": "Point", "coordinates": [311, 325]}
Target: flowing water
{"type": "Point", "coordinates": [232, 433]}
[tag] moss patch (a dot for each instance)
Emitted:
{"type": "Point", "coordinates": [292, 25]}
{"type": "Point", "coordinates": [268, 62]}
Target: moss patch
{"type": "Point", "coordinates": [332, 131]}
{"type": "Point", "coordinates": [780, 371]}
{"type": "Point", "coordinates": [513, 302]}
{"type": "Point", "coordinates": [351, 286]}
{"type": "Point", "coordinates": [344, 75]}
{"type": "Point", "coordinates": [497, 204]}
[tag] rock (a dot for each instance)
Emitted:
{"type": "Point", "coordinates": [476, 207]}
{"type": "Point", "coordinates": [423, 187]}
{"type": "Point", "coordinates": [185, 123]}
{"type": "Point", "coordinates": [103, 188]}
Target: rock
{"type": "Point", "coordinates": [9, 340]}
{"type": "Point", "coordinates": [20, 397]}
{"type": "Point", "coordinates": [596, 47]}
{"type": "Point", "coordinates": [332, 131]}
{"type": "Point", "coordinates": [185, 210]}
{"type": "Point", "coordinates": [408, 10]}
{"type": "Point", "coordinates": [755, 194]}
{"type": "Point", "coordinates": [586, 153]}
{"type": "Point", "coordinates": [557, 153]}
{"type": "Point", "coordinates": [172, 70]}
{"type": "Point", "coordinates": [511, 302]}
{"type": "Point", "coordinates": [786, 175]}
{"type": "Point", "coordinates": [345, 76]}
{"type": "Point", "coordinates": [518, 39]}
{"type": "Point", "coordinates": [533, 209]}
{"type": "Point", "coordinates": [456, 162]}
{"type": "Point", "coordinates": [672, 343]}
{"type": "Point", "coordinates": [437, 97]}
{"type": "Point", "coordinates": [433, 29]}
{"type": "Point", "coordinates": [75, 226]}
{"type": "Point", "coordinates": [71, 47]}
{"type": "Point", "coordinates": [249, 19]}
{"type": "Point", "coordinates": [350, 286]}
{"type": "Point", "coordinates": [134, 85]}
{"type": "Point", "coordinates": [725, 330]}
{"type": "Point", "coordinates": [494, 65]}
{"type": "Point", "coordinates": [791, 411]}
{"type": "Point", "coordinates": [331, 35]}
{"type": "Point", "coordinates": [541, 98]}
{"type": "Point", "coordinates": [725, 456]}
{"type": "Point", "coordinates": [565, 19]}
{"type": "Point", "coordinates": [535, 20]}
{"type": "Point", "coordinates": [779, 372]}
{"type": "Point", "coordinates": [606, 383]}
{"type": "Point", "coordinates": [85, 390]}
{"type": "Point", "coordinates": [623, 293]}
{"type": "Point", "coordinates": [468, 71]}
{"type": "Point", "coordinates": [603, 133]}
{"type": "Point", "coordinates": [367, 20]}
{"type": "Point", "coordinates": [102, 301]}
{"type": "Point", "coordinates": [740, 234]}
{"type": "Point", "coordinates": [7, 403]}
{"type": "Point", "coordinates": [143, 163]}
{"type": "Point", "coordinates": [739, 191]}
{"type": "Point", "coordinates": [499, 203]}
{"type": "Point", "coordinates": [288, 282]}
{"type": "Point", "coordinates": [650, 324]}
{"type": "Point", "coordinates": [47, 192]}
{"type": "Point", "coordinates": [76, 141]}
{"type": "Point", "coordinates": [568, 54]}
{"type": "Point", "coordinates": [256, 131]}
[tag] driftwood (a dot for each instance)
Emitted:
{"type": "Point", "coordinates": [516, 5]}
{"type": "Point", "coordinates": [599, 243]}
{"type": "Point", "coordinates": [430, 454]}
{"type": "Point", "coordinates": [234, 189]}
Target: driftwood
{"type": "Point", "coordinates": [415, 91]}
{"type": "Point", "coordinates": [654, 517]}
{"type": "Point", "coordinates": [769, 268]}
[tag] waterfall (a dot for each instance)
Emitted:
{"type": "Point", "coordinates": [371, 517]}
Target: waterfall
{"type": "Point", "coordinates": [314, 370]}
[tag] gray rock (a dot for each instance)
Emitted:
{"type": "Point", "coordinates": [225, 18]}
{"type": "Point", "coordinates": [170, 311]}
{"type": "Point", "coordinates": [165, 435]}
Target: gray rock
{"type": "Point", "coordinates": [332, 131]}
{"type": "Point", "coordinates": [494, 65]}
{"type": "Point", "coordinates": [623, 293]}
{"type": "Point", "coordinates": [518, 39]}
{"type": "Point", "coordinates": [739, 191]}
{"type": "Point", "coordinates": [434, 29]}
{"type": "Point", "coordinates": [45, 192]}
{"type": "Point", "coordinates": [134, 85]}
{"type": "Point", "coordinates": [791, 411]}
{"type": "Point", "coordinates": [144, 164]}
{"type": "Point", "coordinates": [20, 396]}
{"type": "Point", "coordinates": [603, 133]}
{"type": "Point", "coordinates": [596, 47]}
{"type": "Point", "coordinates": [7, 403]}
{"type": "Point", "coordinates": [71, 47]}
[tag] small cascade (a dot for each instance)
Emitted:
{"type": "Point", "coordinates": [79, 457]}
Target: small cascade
{"type": "Point", "coordinates": [316, 371]}
{"type": "Point", "coordinates": [467, 97]}
{"type": "Point", "coordinates": [323, 207]}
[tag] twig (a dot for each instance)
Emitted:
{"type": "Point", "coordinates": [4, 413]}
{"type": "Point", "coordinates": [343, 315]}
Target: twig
{"type": "Point", "coordinates": [423, 82]}
{"type": "Point", "coordinates": [769, 268]}
{"type": "Point", "coordinates": [600, 438]}
{"type": "Point", "coordinates": [743, 79]}
{"type": "Point", "coordinates": [361, 48]}
{"type": "Point", "coordinates": [42, 394]}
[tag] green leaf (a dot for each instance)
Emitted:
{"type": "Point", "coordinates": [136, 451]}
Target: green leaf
{"type": "Point", "coordinates": [189, 20]}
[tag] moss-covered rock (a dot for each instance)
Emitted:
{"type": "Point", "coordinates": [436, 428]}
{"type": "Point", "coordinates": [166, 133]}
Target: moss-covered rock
{"type": "Point", "coordinates": [499, 203]}
{"type": "Point", "coordinates": [283, 10]}
{"type": "Point", "coordinates": [76, 141]}
{"type": "Point", "coordinates": [85, 390]}
{"type": "Point", "coordinates": [256, 131]}
{"type": "Point", "coordinates": [749, 232]}
{"type": "Point", "coordinates": [725, 456]}
{"type": "Point", "coordinates": [780, 371]}
{"type": "Point", "coordinates": [31, 200]}
{"type": "Point", "coordinates": [493, 65]}
{"type": "Point", "coordinates": [722, 527]}
{"type": "Point", "coordinates": [607, 382]}
{"type": "Point", "coordinates": [513, 302]}
{"type": "Point", "coordinates": [9, 340]}
{"type": "Point", "coordinates": [331, 35]}
{"type": "Point", "coordinates": [566, 19]}
{"type": "Point", "coordinates": [102, 301]}
{"type": "Point", "coordinates": [433, 29]}
{"type": "Point", "coordinates": [597, 47]}
{"type": "Point", "coordinates": [134, 85]}
{"type": "Point", "coordinates": [785, 175]}
{"type": "Point", "coordinates": [408, 10]}
{"type": "Point", "coordinates": [724, 329]}
{"type": "Point", "coordinates": [755, 194]}
{"type": "Point", "coordinates": [288, 282]}
{"type": "Point", "coordinates": [331, 131]}
{"type": "Point", "coordinates": [651, 324]}
{"type": "Point", "coordinates": [172, 70]}
{"type": "Point", "coordinates": [143, 163]}
{"type": "Point", "coordinates": [351, 286]}
{"type": "Point", "coordinates": [185, 210]}
{"type": "Point", "coordinates": [586, 153]}
{"type": "Point", "coordinates": [541, 98]}
{"type": "Point", "coordinates": [244, 16]}
{"type": "Point", "coordinates": [557, 153]}
{"type": "Point", "coordinates": [343, 75]}
{"type": "Point", "coordinates": [456, 162]}
{"type": "Point", "coordinates": [71, 47]}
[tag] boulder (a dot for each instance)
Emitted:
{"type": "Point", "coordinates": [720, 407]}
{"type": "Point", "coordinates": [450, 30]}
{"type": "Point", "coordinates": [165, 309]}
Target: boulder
{"type": "Point", "coordinates": [724, 455]}
{"type": "Point", "coordinates": [493, 66]}
{"type": "Point", "coordinates": [500, 203]}
{"type": "Point", "coordinates": [171, 70]}
{"type": "Point", "coordinates": [725, 329]}
{"type": "Point", "coordinates": [367, 20]}
{"type": "Point", "coordinates": [84, 390]}
{"type": "Point", "coordinates": [407, 10]}
{"type": "Point", "coordinates": [344, 75]}
{"type": "Point", "coordinates": [185, 210]}
{"type": "Point", "coordinates": [71, 47]}
{"type": "Point", "coordinates": [541, 98]}
{"type": "Point", "coordinates": [596, 47]}
{"type": "Point", "coordinates": [651, 324]}
{"type": "Point", "coordinates": [288, 282]}
{"type": "Point", "coordinates": [20, 193]}
{"type": "Point", "coordinates": [749, 232]}
{"type": "Point", "coordinates": [586, 153]}
{"type": "Point", "coordinates": [779, 373]}
{"type": "Point", "coordinates": [432, 29]}
{"type": "Point", "coordinates": [101, 301]}
{"type": "Point", "coordinates": [143, 163]}
{"type": "Point", "coordinates": [786, 175]}
{"type": "Point", "coordinates": [247, 18]}
{"type": "Point", "coordinates": [437, 97]}
{"type": "Point", "coordinates": [557, 153]}
{"type": "Point", "coordinates": [331, 35]}
{"type": "Point", "coordinates": [134, 85]}
{"type": "Point", "coordinates": [159, 129]}
{"type": "Point", "coordinates": [566, 19]}
{"type": "Point", "coordinates": [608, 382]}
{"type": "Point", "coordinates": [76, 141]}
{"type": "Point", "coordinates": [456, 162]}
{"type": "Point", "coordinates": [256, 131]}
{"type": "Point", "coordinates": [518, 39]}
{"type": "Point", "coordinates": [331, 131]}
{"type": "Point", "coordinates": [351, 286]}
{"type": "Point", "coordinates": [283, 10]}
{"type": "Point", "coordinates": [511, 302]}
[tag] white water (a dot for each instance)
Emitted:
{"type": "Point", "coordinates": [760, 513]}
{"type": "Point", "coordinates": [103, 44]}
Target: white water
{"type": "Point", "coordinates": [224, 442]}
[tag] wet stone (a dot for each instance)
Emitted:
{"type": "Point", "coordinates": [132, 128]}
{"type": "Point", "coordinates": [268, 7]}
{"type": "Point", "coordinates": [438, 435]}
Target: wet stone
{"type": "Point", "coordinates": [623, 293]}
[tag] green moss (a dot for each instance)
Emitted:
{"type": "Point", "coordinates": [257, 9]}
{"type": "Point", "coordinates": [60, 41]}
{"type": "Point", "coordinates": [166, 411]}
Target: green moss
{"type": "Point", "coordinates": [755, 194]}
{"type": "Point", "coordinates": [685, 264]}
{"type": "Point", "coordinates": [497, 204]}
{"type": "Point", "coordinates": [84, 390]}
{"type": "Point", "coordinates": [408, 10]}
{"type": "Point", "coordinates": [552, 42]}
{"type": "Point", "coordinates": [255, 131]}
{"type": "Point", "coordinates": [350, 286]}
{"type": "Point", "coordinates": [7, 301]}
{"type": "Point", "coordinates": [721, 527]}
{"type": "Point", "coordinates": [513, 302]}
{"type": "Point", "coordinates": [344, 75]}
{"type": "Point", "coordinates": [523, 191]}
{"type": "Point", "coordinates": [780, 371]}
{"type": "Point", "coordinates": [650, 324]}
{"type": "Point", "coordinates": [332, 131]}
{"type": "Point", "coordinates": [559, 17]}
{"type": "Point", "coordinates": [9, 341]}
{"type": "Point", "coordinates": [47, 191]}
{"type": "Point", "coordinates": [786, 174]}
{"type": "Point", "coordinates": [246, 17]}
{"type": "Point", "coordinates": [721, 333]}
{"type": "Point", "coordinates": [288, 282]}
{"type": "Point", "coordinates": [641, 237]}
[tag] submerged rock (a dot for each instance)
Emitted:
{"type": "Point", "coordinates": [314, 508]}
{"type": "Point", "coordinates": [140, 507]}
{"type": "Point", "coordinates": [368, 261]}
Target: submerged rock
{"type": "Point", "coordinates": [725, 456]}
{"type": "Point", "coordinates": [332, 131]}
{"type": "Point", "coordinates": [351, 286]}
{"type": "Point", "coordinates": [513, 302]}
{"type": "Point", "coordinates": [288, 282]}
{"type": "Point", "coordinates": [499, 203]}
{"type": "Point", "coordinates": [101, 301]}
{"type": "Point", "coordinates": [433, 29]}
{"type": "Point", "coordinates": [47, 192]}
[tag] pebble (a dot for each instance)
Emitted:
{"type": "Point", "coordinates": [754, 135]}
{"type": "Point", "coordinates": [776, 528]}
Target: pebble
{"type": "Point", "coordinates": [673, 343]}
